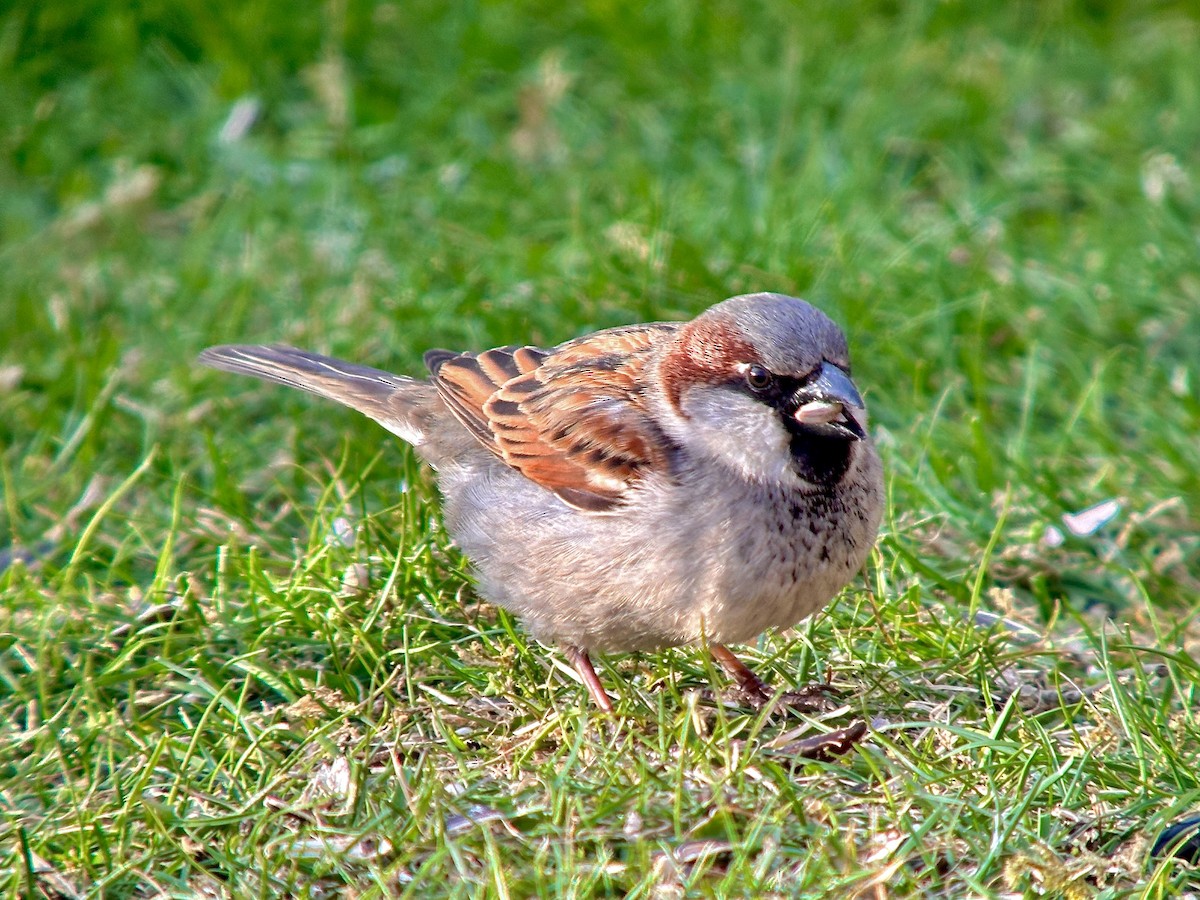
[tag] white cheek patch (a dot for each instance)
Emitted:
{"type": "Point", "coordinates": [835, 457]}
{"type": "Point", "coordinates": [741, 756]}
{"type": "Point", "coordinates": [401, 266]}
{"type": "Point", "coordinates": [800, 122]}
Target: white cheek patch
{"type": "Point", "coordinates": [738, 430]}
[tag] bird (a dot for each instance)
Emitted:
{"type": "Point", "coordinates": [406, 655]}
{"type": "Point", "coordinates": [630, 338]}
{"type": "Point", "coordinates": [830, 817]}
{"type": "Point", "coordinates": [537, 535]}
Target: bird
{"type": "Point", "coordinates": [641, 487]}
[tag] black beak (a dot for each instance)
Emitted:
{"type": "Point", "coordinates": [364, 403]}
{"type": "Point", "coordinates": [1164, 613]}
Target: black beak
{"type": "Point", "coordinates": [823, 406]}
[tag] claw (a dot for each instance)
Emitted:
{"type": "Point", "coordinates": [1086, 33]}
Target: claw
{"type": "Point", "coordinates": [756, 694]}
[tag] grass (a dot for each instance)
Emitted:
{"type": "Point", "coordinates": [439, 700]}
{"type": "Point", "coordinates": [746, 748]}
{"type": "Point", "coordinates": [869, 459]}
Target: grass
{"type": "Point", "coordinates": [238, 657]}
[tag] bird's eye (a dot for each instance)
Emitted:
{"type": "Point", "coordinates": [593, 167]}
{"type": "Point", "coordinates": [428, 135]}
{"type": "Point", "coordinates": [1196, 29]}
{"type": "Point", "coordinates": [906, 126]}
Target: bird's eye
{"type": "Point", "coordinates": [758, 378]}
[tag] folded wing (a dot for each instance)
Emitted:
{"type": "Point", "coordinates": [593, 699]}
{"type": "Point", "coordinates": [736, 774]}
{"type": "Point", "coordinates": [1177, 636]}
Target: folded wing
{"type": "Point", "coordinates": [572, 419]}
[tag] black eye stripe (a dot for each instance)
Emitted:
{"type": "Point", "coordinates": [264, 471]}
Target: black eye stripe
{"type": "Point", "coordinates": [781, 385]}
{"type": "Point", "coordinates": [783, 393]}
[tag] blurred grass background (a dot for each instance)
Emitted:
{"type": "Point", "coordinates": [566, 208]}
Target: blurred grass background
{"type": "Point", "coordinates": [231, 632]}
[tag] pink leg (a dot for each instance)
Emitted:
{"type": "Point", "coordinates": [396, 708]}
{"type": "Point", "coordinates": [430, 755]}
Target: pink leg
{"type": "Point", "coordinates": [583, 665]}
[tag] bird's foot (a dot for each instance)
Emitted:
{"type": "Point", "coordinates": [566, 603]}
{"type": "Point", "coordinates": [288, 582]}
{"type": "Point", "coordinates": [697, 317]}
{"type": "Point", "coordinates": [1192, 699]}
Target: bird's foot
{"type": "Point", "coordinates": [812, 698]}
{"type": "Point", "coordinates": [752, 691]}
{"type": "Point", "coordinates": [808, 700]}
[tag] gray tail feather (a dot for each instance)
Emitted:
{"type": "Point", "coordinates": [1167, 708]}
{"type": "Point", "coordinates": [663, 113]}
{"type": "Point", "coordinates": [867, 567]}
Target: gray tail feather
{"type": "Point", "coordinates": [393, 401]}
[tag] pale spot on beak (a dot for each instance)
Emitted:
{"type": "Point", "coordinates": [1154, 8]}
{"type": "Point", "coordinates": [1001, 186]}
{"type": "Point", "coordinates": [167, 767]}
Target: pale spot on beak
{"type": "Point", "coordinates": [819, 412]}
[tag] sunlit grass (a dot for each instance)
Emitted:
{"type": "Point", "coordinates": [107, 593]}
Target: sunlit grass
{"type": "Point", "coordinates": [238, 655]}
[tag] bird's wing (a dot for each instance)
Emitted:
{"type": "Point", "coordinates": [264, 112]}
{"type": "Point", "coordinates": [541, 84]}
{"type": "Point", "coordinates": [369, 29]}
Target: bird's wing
{"type": "Point", "coordinates": [573, 419]}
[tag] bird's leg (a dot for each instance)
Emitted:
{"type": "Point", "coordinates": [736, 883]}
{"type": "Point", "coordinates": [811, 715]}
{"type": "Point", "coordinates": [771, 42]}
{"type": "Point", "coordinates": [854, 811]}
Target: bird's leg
{"type": "Point", "coordinates": [753, 688]}
{"type": "Point", "coordinates": [755, 692]}
{"type": "Point", "coordinates": [583, 665]}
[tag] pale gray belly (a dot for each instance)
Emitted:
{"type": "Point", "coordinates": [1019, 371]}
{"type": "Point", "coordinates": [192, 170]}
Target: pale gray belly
{"type": "Point", "coordinates": [725, 566]}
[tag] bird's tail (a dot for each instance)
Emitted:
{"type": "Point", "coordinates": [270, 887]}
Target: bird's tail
{"type": "Point", "coordinates": [401, 405]}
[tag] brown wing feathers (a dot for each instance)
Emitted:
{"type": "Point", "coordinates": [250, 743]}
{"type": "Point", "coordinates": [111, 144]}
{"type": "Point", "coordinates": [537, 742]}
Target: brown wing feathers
{"type": "Point", "coordinates": [571, 419]}
{"type": "Point", "coordinates": [466, 381]}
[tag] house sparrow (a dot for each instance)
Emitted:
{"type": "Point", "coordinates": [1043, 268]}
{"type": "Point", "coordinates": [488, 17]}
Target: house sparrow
{"type": "Point", "coordinates": [640, 487]}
